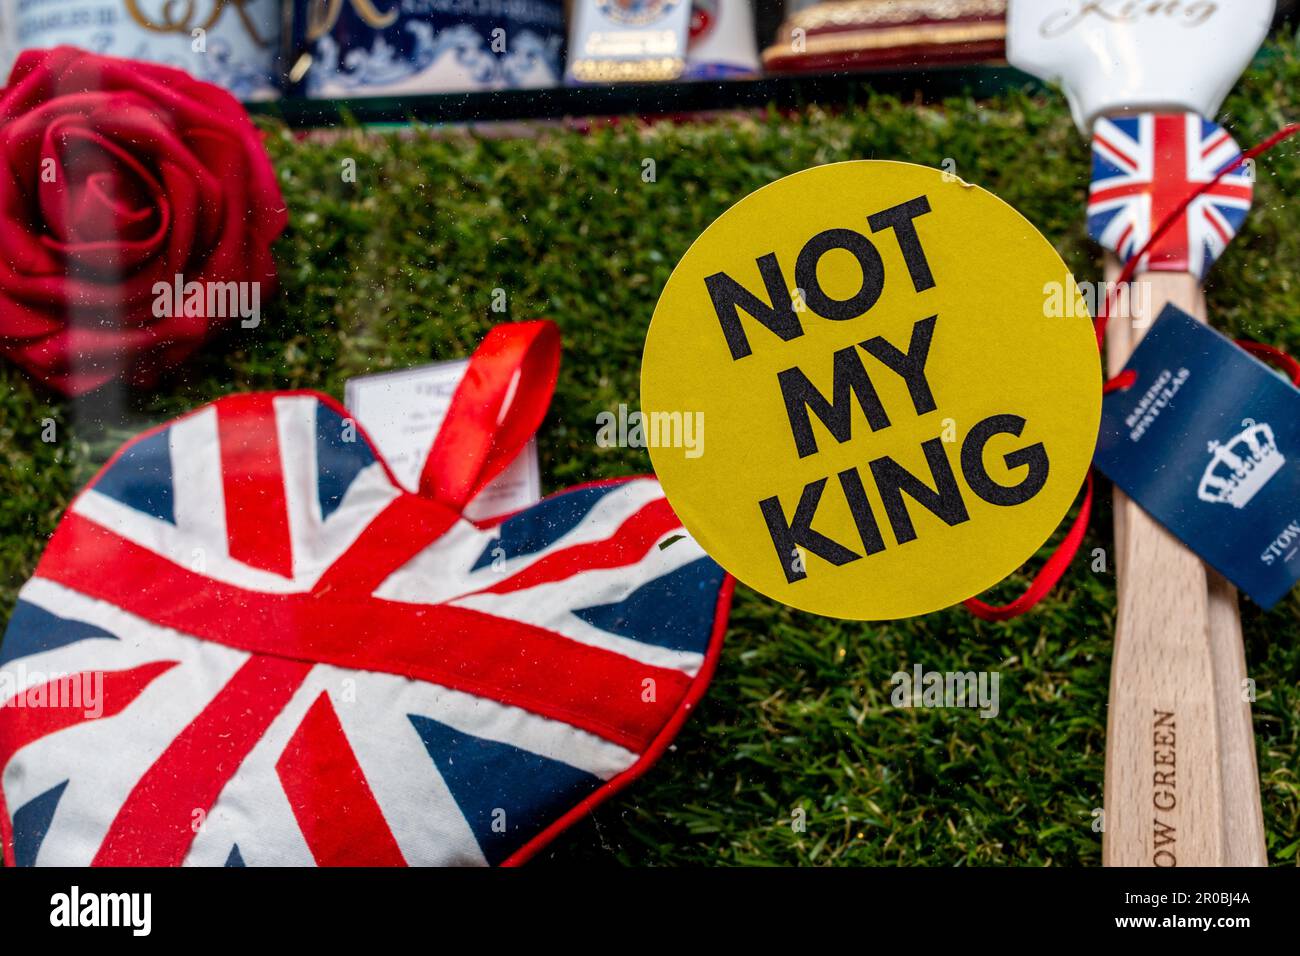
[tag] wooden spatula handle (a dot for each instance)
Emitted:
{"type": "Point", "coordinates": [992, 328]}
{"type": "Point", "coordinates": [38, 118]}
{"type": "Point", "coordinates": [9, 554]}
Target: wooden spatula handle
{"type": "Point", "coordinates": [1243, 814]}
{"type": "Point", "coordinates": [1163, 792]}
{"type": "Point", "coordinates": [1208, 811]}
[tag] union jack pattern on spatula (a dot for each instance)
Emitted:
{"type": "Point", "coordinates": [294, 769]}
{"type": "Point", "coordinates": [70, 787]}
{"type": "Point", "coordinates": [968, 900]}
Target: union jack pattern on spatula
{"type": "Point", "coordinates": [301, 663]}
{"type": "Point", "coordinates": [1143, 166]}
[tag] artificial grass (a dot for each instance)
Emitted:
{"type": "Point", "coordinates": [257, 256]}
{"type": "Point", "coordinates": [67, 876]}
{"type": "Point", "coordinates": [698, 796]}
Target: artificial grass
{"type": "Point", "coordinates": [399, 268]}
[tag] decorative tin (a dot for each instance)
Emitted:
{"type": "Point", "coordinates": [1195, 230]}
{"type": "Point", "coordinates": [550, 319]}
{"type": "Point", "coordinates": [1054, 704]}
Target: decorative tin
{"type": "Point", "coordinates": [628, 40]}
{"type": "Point", "coordinates": [232, 43]}
{"type": "Point", "coordinates": [831, 35]}
{"type": "Point", "coordinates": [349, 48]}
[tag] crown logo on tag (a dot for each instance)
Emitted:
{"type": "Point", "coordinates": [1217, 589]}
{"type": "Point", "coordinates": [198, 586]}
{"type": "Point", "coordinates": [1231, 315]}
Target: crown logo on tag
{"type": "Point", "coordinates": [1241, 467]}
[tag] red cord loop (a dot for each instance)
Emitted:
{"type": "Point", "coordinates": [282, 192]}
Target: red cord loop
{"type": "Point", "coordinates": [1275, 355]}
{"type": "Point", "coordinates": [1123, 380]}
{"type": "Point", "coordinates": [1061, 557]}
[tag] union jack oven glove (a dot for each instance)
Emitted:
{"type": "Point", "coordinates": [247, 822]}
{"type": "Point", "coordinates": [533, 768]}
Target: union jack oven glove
{"type": "Point", "coordinates": [247, 644]}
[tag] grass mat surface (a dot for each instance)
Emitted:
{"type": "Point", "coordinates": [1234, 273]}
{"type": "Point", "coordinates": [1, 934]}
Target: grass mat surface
{"type": "Point", "coordinates": [399, 268]}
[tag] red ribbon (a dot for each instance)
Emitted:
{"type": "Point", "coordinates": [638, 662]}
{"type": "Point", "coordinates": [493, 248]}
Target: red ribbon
{"type": "Point", "coordinates": [1062, 556]}
{"type": "Point", "coordinates": [497, 408]}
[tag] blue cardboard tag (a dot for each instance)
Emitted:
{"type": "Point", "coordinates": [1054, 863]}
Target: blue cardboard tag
{"type": "Point", "coordinates": [1207, 441]}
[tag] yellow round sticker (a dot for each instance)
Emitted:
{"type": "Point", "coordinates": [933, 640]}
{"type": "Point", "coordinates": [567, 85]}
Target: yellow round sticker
{"type": "Point", "coordinates": [871, 390]}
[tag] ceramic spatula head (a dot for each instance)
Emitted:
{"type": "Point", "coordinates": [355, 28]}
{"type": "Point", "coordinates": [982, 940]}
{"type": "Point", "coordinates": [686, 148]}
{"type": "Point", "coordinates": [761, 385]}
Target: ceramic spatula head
{"type": "Point", "coordinates": [1112, 57]}
{"type": "Point", "coordinates": [1143, 168]}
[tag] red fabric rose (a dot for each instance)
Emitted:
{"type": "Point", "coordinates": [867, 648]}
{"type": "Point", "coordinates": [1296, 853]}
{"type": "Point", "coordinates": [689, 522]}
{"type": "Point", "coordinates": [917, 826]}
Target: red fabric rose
{"type": "Point", "coordinates": [118, 176]}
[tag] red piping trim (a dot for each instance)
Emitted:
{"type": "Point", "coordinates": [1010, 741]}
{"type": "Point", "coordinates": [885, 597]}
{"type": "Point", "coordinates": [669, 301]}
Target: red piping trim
{"type": "Point", "coordinates": [657, 746]}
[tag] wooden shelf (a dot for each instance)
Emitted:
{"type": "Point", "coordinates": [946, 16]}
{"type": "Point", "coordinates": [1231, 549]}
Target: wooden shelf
{"type": "Point", "coordinates": [645, 99]}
